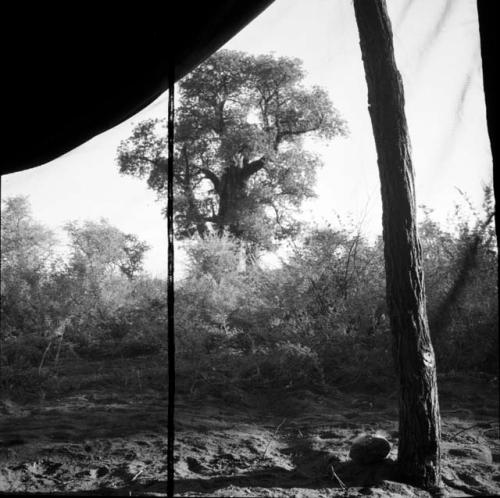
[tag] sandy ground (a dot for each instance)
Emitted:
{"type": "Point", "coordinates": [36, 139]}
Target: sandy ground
{"type": "Point", "coordinates": [273, 444]}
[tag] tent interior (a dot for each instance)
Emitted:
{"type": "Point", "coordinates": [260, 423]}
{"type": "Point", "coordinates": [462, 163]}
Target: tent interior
{"type": "Point", "coordinates": [73, 73]}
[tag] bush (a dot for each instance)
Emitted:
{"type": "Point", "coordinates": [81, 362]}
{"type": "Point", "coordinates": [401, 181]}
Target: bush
{"type": "Point", "coordinates": [321, 317]}
{"type": "Point", "coordinates": [318, 320]}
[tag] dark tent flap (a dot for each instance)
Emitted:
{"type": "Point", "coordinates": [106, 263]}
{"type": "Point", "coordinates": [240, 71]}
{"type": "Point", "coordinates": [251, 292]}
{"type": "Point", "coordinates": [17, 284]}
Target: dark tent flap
{"type": "Point", "coordinates": [72, 73]}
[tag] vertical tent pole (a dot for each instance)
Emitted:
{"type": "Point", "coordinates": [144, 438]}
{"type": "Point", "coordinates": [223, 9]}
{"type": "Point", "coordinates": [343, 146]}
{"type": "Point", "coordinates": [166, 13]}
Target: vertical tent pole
{"type": "Point", "coordinates": [170, 282]}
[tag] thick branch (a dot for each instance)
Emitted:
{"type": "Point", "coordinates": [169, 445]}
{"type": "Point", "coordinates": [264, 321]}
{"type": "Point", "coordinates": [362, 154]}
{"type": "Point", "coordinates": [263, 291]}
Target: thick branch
{"type": "Point", "coordinates": [209, 175]}
{"type": "Point", "coordinates": [205, 171]}
{"type": "Point", "coordinates": [146, 159]}
{"type": "Point", "coordinates": [303, 131]}
{"type": "Point", "coordinates": [252, 168]}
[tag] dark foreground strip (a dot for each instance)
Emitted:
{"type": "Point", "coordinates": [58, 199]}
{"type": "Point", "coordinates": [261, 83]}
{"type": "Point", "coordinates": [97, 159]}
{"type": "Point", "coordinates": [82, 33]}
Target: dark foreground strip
{"type": "Point", "coordinates": [170, 288]}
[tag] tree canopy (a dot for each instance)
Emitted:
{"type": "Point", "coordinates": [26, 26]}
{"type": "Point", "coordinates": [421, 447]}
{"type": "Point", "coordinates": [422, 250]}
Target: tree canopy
{"type": "Point", "coordinates": [99, 248]}
{"type": "Point", "coordinates": [240, 166]}
{"type": "Point", "coordinates": [25, 242]}
{"type": "Point", "coordinates": [27, 254]}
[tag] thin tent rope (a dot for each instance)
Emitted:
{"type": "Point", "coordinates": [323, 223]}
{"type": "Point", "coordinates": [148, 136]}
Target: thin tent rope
{"type": "Point", "coordinates": [170, 283]}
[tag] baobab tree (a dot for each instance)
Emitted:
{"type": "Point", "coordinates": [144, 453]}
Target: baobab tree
{"type": "Point", "coordinates": [419, 419]}
{"type": "Point", "coordinates": [240, 166]}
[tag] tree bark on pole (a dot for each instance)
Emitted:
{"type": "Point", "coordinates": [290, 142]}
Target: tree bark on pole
{"type": "Point", "coordinates": [419, 419]}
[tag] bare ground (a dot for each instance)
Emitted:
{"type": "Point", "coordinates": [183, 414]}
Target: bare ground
{"type": "Point", "coordinates": [272, 443]}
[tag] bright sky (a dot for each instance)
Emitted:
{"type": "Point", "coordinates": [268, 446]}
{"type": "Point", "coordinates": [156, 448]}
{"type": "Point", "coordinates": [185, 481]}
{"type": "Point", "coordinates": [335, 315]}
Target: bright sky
{"type": "Point", "coordinates": [437, 51]}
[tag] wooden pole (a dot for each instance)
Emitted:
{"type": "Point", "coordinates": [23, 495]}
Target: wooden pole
{"type": "Point", "coordinates": [419, 419]}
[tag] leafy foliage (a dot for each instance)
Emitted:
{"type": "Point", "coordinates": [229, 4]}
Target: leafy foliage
{"type": "Point", "coordinates": [93, 303]}
{"type": "Point", "coordinates": [317, 321]}
{"type": "Point", "coordinates": [320, 319]}
{"type": "Point", "coordinates": [240, 165]}
{"type": "Point", "coordinates": [27, 257]}
{"type": "Point", "coordinates": [99, 248]}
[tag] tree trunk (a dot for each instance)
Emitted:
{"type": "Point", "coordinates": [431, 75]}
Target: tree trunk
{"type": "Point", "coordinates": [419, 420]}
{"type": "Point", "coordinates": [231, 195]}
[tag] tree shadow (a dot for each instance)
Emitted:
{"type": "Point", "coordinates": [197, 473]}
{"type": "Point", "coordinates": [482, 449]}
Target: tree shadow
{"type": "Point", "coordinates": [351, 475]}
{"type": "Point", "coordinates": [76, 423]}
{"type": "Point", "coordinates": [312, 469]}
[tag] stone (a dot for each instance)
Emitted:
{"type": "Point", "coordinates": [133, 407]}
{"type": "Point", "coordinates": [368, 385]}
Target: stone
{"type": "Point", "coordinates": [367, 449]}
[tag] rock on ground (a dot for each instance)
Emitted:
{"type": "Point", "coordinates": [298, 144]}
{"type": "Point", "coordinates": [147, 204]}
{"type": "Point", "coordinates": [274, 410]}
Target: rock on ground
{"type": "Point", "coordinates": [367, 449]}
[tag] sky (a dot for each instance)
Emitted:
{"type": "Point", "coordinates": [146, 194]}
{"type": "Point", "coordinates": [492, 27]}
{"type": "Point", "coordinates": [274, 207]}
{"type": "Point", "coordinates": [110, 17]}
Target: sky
{"type": "Point", "coordinates": [437, 52]}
